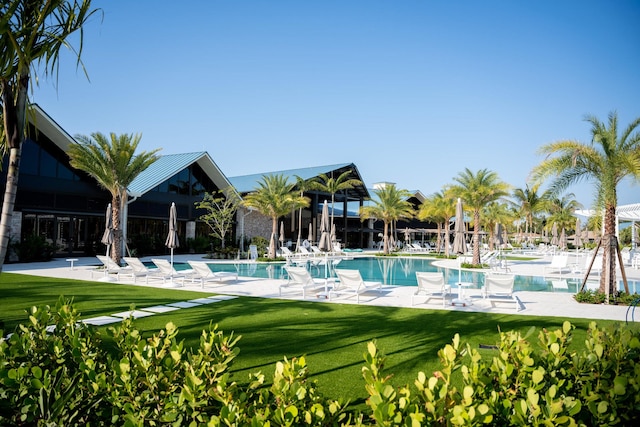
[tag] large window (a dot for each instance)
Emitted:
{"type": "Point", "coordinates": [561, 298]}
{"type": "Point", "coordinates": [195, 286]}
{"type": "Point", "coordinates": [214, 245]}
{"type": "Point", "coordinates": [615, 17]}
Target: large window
{"type": "Point", "coordinates": [190, 181]}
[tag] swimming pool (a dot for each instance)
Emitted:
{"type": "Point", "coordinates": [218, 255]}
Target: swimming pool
{"type": "Point", "coordinates": [398, 271]}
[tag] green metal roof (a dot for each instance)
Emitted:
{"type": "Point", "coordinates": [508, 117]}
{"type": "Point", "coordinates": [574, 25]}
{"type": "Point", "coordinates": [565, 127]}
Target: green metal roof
{"type": "Point", "coordinates": [169, 165]}
{"type": "Point", "coordinates": [248, 183]}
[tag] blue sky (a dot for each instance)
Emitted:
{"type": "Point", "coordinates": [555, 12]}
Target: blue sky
{"type": "Point", "coordinates": [412, 92]}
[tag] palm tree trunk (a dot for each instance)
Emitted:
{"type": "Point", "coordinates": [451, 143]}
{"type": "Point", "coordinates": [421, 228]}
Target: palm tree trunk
{"type": "Point", "coordinates": [439, 238]}
{"type": "Point", "coordinates": [116, 247]}
{"type": "Point", "coordinates": [476, 237]}
{"type": "Point", "coordinates": [610, 245]}
{"type": "Point", "coordinates": [14, 122]}
{"type": "Point", "coordinates": [385, 247]}
{"type": "Point", "coordinates": [445, 225]}
{"type": "Point", "coordinates": [274, 231]}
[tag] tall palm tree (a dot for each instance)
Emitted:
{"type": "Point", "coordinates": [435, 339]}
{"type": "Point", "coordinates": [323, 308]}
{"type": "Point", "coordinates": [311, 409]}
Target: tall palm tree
{"type": "Point", "coordinates": [331, 185]}
{"type": "Point", "coordinates": [609, 158]}
{"type": "Point", "coordinates": [392, 204]}
{"type": "Point", "coordinates": [477, 190]}
{"type": "Point", "coordinates": [440, 207]}
{"type": "Point", "coordinates": [561, 211]}
{"type": "Point", "coordinates": [302, 185]}
{"type": "Point", "coordinates": [32, 32]}
{"type": "Point", "coordinates": [274, 197]}
{"type": "Point", "coordinates": [113, 162]}
{"type": "Point", "coordinates": [530, 203]}
{"type": "Point", "coordinates": [493, 214]}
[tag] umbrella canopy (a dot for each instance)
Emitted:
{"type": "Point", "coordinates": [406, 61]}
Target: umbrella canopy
{"type": "Point", "coordinates": [281, 238]}
{"type": "Point", "coordinates": [310, 238]}
{"type": "Point", "coordinates": [172, 241]}
{"type": "Point", "coordinates": [497, 235]}
{"type": "Point", "coordinates": [562, 241]}
{"type": "Point", "coordinates": [577, 240]}
{"type": "Point", "coordinates": [107, 237]}
{"type": "Point", "coordinates": [324, 244]}
{"type": "Point", "coordinates": [459, 244]}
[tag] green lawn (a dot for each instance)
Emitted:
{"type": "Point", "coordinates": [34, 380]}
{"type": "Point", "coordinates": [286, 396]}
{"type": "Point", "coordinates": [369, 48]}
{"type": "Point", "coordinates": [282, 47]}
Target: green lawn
{"type": "Point", "coordinates": [332, 336]}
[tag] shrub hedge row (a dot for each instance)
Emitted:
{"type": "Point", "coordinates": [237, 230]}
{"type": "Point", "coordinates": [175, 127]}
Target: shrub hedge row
{"type": "Point", "coordinates": [56, 372]}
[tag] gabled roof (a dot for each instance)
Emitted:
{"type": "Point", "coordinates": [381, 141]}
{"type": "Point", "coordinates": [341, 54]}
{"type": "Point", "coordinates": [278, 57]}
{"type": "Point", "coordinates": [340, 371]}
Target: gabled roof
{"type": "Point", "coordinates": [45, 124]}
{"type": "Point", "coordinates": [248, 183]}
{"type": "Point", "coordinates": [167, 166]}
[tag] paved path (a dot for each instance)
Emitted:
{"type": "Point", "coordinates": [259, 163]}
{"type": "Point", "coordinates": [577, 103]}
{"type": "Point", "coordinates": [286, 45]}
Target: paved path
{"type": "Point", "coordinates": [559, 304]}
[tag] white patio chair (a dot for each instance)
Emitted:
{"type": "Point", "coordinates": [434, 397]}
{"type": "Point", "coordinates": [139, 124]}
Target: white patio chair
{"type": "Point", "coordinates": [203, 273]}
{"type": "Point", "coordinates": [558, 264]}
{"type": "Point", "coordinates": [138, 269]}
{"type": "Point", "coordinates": [110, 268]}
{"type": "Point", "coordinates": [499, 288]}
{"type": "Point", "coordinates": [301, 280]}
{"type": "Point", "coordinates": [167, 271]}
{"type": "Point", "coordinates": [350, 283]}
{"type": "Point", "coordinates": [431, 285]}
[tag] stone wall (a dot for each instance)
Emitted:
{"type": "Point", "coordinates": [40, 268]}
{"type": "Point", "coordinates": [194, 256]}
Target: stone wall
{"type": "Point", "coordinates": [255, 224]}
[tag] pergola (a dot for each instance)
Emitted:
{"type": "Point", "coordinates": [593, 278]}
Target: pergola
{"type": "Point", "coordinates": [624, 213]}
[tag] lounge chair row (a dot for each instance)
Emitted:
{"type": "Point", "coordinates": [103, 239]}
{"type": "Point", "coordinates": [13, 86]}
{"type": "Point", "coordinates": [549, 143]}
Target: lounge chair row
{"type": "Point", "coordinates": [164, 271]}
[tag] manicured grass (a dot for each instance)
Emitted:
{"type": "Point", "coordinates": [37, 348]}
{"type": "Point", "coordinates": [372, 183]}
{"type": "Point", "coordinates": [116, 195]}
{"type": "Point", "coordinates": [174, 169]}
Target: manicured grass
{"type": "Point", "coordinates": [333, 337]}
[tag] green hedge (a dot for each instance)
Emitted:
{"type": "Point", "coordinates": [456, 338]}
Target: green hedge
{"type": "Point", "coordinates": [64, 376]}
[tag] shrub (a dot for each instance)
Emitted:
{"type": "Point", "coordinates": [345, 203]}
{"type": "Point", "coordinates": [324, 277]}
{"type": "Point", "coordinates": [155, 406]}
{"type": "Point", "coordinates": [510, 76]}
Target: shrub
{"type": "Point", "coordinates": [261, 243]}
{"type": "Point", "coordinates": [33, 248]}
{"type": "Point", "coordinates": [54, 371]}
{"type": "Point", "coordinates": [522, 385]}
{"type": "Point", "coordinates": [596, 297]}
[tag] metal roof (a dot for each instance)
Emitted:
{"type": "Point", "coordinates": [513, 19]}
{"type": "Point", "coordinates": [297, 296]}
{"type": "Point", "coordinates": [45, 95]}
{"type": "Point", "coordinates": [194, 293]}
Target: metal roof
{"type": "Point", "coordinates": [248, 183]}
{"type": "Point", "coordinates": [623, 212]}
{"type": "Point", "coordinates": [168, 165]}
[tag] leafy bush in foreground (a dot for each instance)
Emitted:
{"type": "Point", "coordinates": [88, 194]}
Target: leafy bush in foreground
{"type": "Point", "coordinates": [62, 376]}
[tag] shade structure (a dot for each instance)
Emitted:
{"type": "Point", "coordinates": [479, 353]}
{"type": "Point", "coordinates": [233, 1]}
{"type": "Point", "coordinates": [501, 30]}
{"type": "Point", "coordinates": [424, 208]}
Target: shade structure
{"type": "Point", "coordinates": [107, 236]}
{"type": "Point", "coordinates": [562, 240]}
{"type": "Point", "coordinates": [281, 237]}
{"type": "Point", "coordinates": [497, 235]}
{"type": "Point", "coordinates": [324, 244]}
{"type": "Point", "coordinates": [172, 241]}
{"type": "Point", "coordinates": [577, 240]}
{"type": "Point", "coordinates": [459, 244]}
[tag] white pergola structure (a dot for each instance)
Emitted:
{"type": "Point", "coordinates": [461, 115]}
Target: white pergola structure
{"type": "Point", "coordinates": [624, 213]}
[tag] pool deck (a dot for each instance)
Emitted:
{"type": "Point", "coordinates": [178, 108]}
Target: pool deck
{"type": "Point", "coordinates": [559, 304]}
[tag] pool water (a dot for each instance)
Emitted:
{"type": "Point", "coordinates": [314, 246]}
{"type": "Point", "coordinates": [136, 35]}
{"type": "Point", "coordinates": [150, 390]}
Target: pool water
{"type": "Point", "coordinates": [396, 271]}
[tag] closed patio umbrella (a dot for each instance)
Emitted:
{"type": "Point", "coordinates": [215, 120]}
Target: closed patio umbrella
{"type": "Point", "coordinates": [577, 240]}
{"type": "Point", "coordinates": [324, 244]}
{"type": "Point", "coordinates": [281, 237]}
{"type": "Point", "coordinates": [310, 238]}
{"type": "Point", "coordinates": [107, 236]}
{"type": "Point", "coordinates": [562, 241]}
{"type": "Point", "coordinates": [172, 241]}
{"type": "Point", "coordinates": [459, 244]}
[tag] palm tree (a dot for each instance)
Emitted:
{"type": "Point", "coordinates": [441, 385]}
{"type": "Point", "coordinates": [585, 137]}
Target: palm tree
{"type": "Point", "coordinates": [392, 205]}
{"type": "Point", "coordinates": [274, 197]}
{"type": "Point", "coordinates": [493, 214]}
{"type": "Point", "coordinates": [303, 185]}
{"type": "Point", "coordinates": [331, 185]}
{"type": "Point", "coordinates": [439, 207]}
{"type": "Point", "coordinates": [605, 161]}
{"type": "Point", "coordinates": [113, 162]}
{"type": "Point", "coordinates": [33, 32]}
{"type": "Point", "coordinates": [477, 190]}
{"type": "Point", "coordinates": [561, 211]}
{"type": "Point", "coordinates": [530, 203]}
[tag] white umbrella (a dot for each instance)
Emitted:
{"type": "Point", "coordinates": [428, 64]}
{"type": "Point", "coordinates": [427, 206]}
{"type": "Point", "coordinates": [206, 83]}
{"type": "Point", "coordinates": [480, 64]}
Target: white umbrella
{"type": "Point", "coordinates": [333, 233]}
{"type": "Point", "coordinates": [324, 244]}
{"type": "Point", "coordinates": [459, 244]}
{"type": "Point", "coordinates": [281, 238]}
{"type": "Point", "coordinates": [310, 238]}
{"type": "Point", "coordinates": [562, 241]}
{"type": "Point", "coordinates": [107, 237]}
{"type": "Point", "coordinates": [577, 240]}
{"type": "Point", "coordinates": [172, 241]}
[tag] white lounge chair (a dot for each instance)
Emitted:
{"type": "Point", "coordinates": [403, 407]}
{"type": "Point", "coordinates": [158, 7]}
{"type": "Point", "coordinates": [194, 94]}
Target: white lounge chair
{"type": "Point", "coordinates": [431, 285]}
{"type": "Point", "coordinates": [110, 268]}
{"type": "Point", "coordinates": [253, 252]}
{"type": "Point", "coordinates": [350, 283]}
{"type": "Point", "coordinates": [203, 273]}
{"type": "Point", "coordinates": [559, 263]}
{"type": "Point", "coordinates": [138, 269]}
{"type": "Point", "coordinates": [499, 288]}
{"type": "Point", "coordinates": [300, 279]}
{"type": "Point", "coordinates": [167, 271]}
{"type": "Point", "coordinates": [560, 284]}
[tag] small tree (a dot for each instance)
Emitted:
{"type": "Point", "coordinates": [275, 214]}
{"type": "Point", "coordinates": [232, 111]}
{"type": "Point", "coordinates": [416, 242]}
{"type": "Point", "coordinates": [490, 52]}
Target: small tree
{"type": "Point", "coordinates": [221, 209]}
